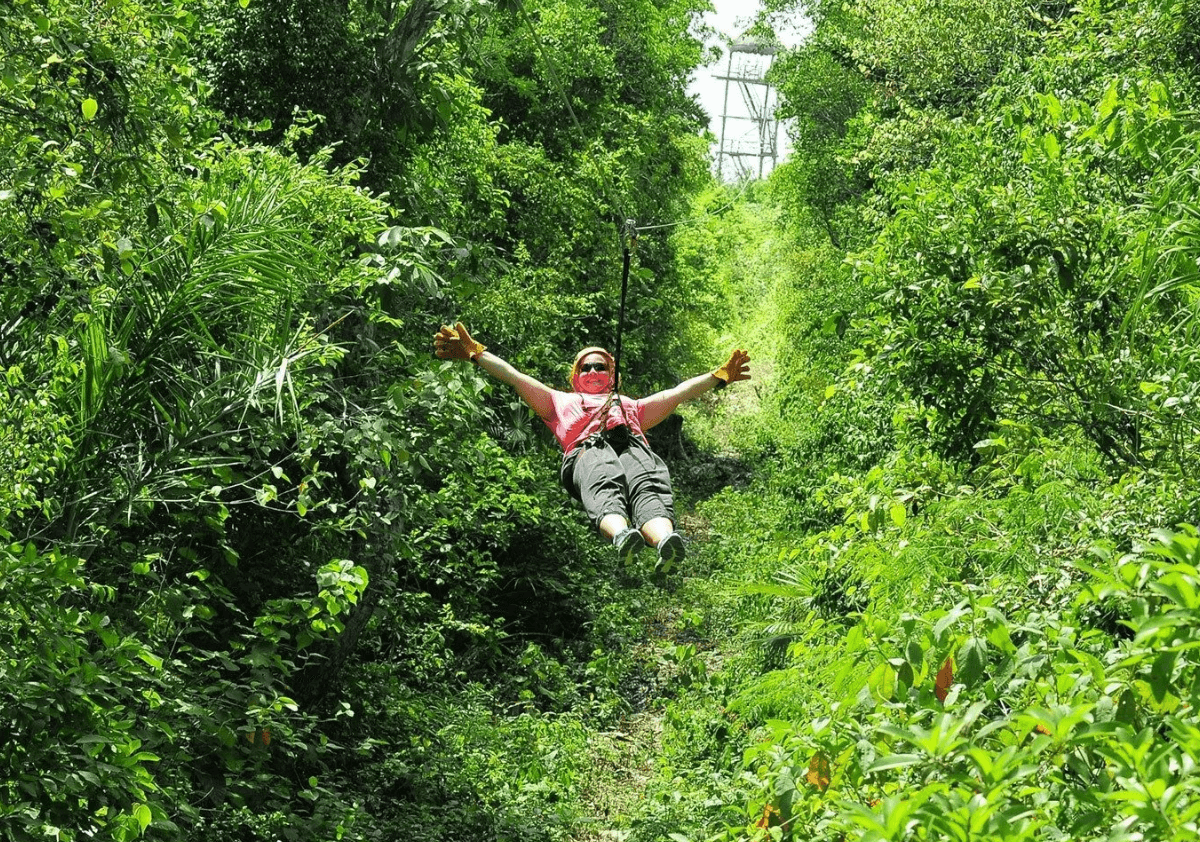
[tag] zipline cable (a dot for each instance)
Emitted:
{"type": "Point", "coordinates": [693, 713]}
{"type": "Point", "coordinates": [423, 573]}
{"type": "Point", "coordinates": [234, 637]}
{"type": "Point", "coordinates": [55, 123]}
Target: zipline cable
{"type": "Point", "coordinates": [697, 219]}
{"type": "Point", "coordinates": [630, 242]}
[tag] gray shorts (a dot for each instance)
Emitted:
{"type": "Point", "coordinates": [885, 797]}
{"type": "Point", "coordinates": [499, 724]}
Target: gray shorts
{"type": "Point", "coordinates": [622, 477]}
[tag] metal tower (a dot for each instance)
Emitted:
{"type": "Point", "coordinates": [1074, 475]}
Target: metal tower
{"type": "Point", "coordinates": [747, 69]}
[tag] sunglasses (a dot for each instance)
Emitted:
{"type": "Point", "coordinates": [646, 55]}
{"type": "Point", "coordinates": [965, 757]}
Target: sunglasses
{"type": "Point", "coordinates": [588, 367]}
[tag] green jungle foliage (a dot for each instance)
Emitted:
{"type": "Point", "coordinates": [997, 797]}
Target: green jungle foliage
{"type": "Point", "coordinates": [270, 571]}
{"type": "Point", "coordinates": [960, 591]}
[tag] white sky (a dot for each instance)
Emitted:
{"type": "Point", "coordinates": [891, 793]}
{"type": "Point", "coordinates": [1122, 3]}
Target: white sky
{"type": "Point", "coordinates": [730, 19]}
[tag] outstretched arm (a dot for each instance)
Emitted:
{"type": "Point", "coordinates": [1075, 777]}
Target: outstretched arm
{"type": "Point", "coordinates": [455, 343]}
{"type": "Point", "coordinates": [533, 392]}
{"type": "Point", "coordinates": [657, 407]}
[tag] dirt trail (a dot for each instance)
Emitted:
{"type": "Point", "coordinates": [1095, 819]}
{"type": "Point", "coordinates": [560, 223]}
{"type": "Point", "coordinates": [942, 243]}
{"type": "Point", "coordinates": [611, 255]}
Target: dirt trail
{"type": "Point", "coordinates": [623, 764]}
{"type": "Point", "coordinates": [625, 760]}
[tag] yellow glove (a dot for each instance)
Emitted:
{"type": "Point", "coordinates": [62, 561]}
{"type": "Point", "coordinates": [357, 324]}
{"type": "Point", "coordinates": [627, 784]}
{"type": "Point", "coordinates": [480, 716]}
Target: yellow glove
{"type": "Point", "coordinates": [454, 343]}
{"type": "Point", "coordinates": [737, 368]}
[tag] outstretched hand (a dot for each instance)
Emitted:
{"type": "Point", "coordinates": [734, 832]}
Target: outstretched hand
{"type": "Point", "coordinates": [454, 343]}
{"type": "Point", "coordinates": [737, 368]}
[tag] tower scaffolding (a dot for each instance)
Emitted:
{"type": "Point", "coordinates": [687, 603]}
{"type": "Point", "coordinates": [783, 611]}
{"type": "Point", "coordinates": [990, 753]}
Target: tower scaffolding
{"type": "Point", "coordinates": [748, 65]}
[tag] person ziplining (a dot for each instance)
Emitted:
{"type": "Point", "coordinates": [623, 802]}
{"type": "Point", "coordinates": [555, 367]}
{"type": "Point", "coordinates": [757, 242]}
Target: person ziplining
{"type": "Point", "coordinates": [608, 465]}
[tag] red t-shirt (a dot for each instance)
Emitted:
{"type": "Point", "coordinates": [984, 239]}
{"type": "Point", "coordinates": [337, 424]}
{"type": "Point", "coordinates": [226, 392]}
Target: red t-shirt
{"type": "Point", "coordinates": [577, 416]}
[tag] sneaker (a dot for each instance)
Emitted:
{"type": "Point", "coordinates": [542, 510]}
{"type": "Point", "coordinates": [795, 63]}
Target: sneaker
{"type": "Point", "coordinates": [670, 553]}
{"type": "Point", "coordinates": [629, 543]}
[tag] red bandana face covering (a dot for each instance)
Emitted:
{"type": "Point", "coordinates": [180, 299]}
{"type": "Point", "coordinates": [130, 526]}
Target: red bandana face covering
{"type": "Point", "coordinates": [592, 382]}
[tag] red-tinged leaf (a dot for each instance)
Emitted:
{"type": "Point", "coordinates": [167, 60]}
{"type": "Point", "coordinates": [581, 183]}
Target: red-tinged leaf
{"type": "Point", "coordinates": [266, 736]}
{"type": "Point", "coordinates": [818, 771]}
{"type": "Point", "coordinates": [1042, 729]}
{"type": "Point", "coordinates": [945, 677]}
{"type": "Point", "coordinates": [765, 821]}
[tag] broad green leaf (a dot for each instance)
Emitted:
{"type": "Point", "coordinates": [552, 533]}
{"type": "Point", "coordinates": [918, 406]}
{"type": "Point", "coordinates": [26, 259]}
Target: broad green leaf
{"type": "Point", "coordinates": [895, 761]}
{"type": "Point", "coordinates": [89, 107]}
{"type": "Point", "coordinates": [1161, 675]}
{"type": "Point", "coordinates": [973, 660]}
{"type": "Point", "coordinates": [1051, 147]}
{"type": "Point", "coordinates": [1053, 107]}
{"type": "Point", "coordinates": [143, 815]}
{"type": "Point", "coordinates": [1109, 101]}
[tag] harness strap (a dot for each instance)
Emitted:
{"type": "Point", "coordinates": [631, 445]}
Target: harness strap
{"type": "Point", "coordinates": [606, 408]}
